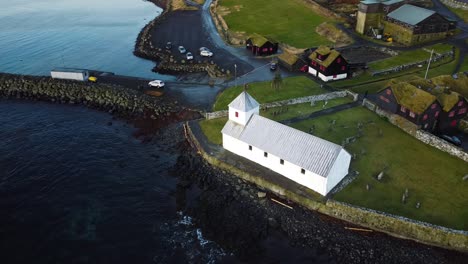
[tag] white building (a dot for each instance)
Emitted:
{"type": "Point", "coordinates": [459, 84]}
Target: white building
{"type": "Point", "coordinates": [70, 74]}
{"type": "Point", "coordinates": [308, 160]}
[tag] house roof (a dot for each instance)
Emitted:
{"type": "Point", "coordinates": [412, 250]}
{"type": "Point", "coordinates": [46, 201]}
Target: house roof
{"type": "Point", "coordinates": [448, 100]}
{"type": "Point", "coordinates": [391, 2]}
{"type": "Point", "coordinates": [324, 50]}
{"type": "Point", "coordinates": [304, 150]}
{"type": "Point", "coordinates": [410, 14]}
{"type": "Point", "coordinates": [288, 58]}
{"type": "Point", "coordinates": [258, 40]}
{"type": "Point", "coordinates": [244, 102]}
{"type": "Point", "coordinates": [411, 97]}
{"type": "Point", "coordinates": [69, 70]}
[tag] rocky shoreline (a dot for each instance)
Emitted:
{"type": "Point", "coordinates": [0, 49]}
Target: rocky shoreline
{"type": "Point", "coordinates": [241, 216]}
{"type": "Point", "coordinates": [166, 63]}
{"type": "Point", "coordinates": [148, 113]}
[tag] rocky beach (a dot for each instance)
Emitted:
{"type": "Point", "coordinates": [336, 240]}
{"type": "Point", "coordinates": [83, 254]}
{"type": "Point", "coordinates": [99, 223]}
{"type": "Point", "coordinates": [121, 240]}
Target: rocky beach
{"type": "Point", "coordinates": [240, 218]}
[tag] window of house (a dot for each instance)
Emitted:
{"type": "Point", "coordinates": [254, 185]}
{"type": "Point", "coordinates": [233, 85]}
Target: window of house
{"type": "Point", "coordinates": [389, 92]}
{"type": "Point", "coordinates": [403, 109]}
{"type": "Point", "coordinates": [453, 123]}
{"type": "Point", "coordinates": [282, 161]}
{"type": "Point", "coordinates": [338, 60]}
{"type": "Point", "coordinates": [265, 154]}
{"type": "Point", "coordinates": [302, 171]}
{"type": "Point", "coordinates": [411, 114]}
{"type": "Point", "coordinates": [460, 103]}
{"type": "Point", "coordinates": [334, 76]}
{"type": "Point", "coordinates": [343, 68]}
{"type": "Point", "coordinates": [319, 57]}
{"type": "Point", "coordinates": [462, 111]}
{"type": "Point", "coordinates": [433, 106]}
{"type": "Point", "coordinates": [451, 114]}
{"type": "Point", "coordinates": [237, 114]}
{"type": "Point", "coordinates": [425, 117]}
{"type": "Point", "coordinates": [437, 114]}
{"type": "Point", "coordinates": [250, 147]}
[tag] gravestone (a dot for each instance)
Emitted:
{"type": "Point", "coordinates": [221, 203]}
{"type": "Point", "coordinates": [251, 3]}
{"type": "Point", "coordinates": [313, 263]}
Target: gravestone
{"type": "Point", "coordinates": [380, 176]}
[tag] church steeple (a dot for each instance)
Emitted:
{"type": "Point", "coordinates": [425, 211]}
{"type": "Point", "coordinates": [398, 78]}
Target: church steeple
{"type": "Point", "coordinates": [242, 108]}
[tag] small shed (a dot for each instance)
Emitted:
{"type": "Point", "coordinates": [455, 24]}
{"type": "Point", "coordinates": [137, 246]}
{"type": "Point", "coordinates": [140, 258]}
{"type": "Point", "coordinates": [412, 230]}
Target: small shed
{"type": "Point", "coordinates": [291, 61]}
{"type": "Point", "coordinates": [70, 74]}
{"type": "Point", "coordinates": [261, 46]}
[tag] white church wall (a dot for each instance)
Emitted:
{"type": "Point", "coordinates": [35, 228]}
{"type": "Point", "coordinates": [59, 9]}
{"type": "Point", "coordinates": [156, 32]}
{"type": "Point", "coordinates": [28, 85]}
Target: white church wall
{"type": "Point", "coordinates": [339, 170]}
{"type": "Point", "coordinates": [289, 170]}
{"type": "Point", "coordinates": [242, 117]}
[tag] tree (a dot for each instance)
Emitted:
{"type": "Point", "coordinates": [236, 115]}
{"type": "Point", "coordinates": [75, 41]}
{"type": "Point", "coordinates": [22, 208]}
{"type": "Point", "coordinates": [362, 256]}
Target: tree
{"type": "Point", "coordinates": [277, 81]}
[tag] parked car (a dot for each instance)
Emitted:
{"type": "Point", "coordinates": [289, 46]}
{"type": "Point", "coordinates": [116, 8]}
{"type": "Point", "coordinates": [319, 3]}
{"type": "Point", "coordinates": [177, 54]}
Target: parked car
{"type": "Point", "coordinates": [92, 79]}
{"type": "Point", "coordinates": [169, 45]}
{"type": "Point", "coordinates": [452, 139]}
{"type": "Point", "coordinates": [189, 56]}
{"type": "Point", "coordinates": [206, 53]}
{"type": "Point", "coordinates": [156, 84]}
{"type": "Point", "coordinates": [182, 49]}
{"type": "Point", "coordinates": [273, 66]}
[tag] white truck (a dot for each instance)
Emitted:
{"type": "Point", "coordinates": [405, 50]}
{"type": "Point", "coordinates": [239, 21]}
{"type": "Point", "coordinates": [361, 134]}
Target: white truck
{"type": "Point", "coordinates": [70, 74]}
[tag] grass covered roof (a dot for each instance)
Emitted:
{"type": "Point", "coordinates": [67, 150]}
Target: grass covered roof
{"type": "Point", "coordinates": [324, 51]}
{"type": "Point", "coordinates": [258, 40]}
{"type": "Point", "coordinates": [411, 97]}
{"type": "Point", "coordinates": [288, 58]}
{"type": "Point", "coordinates": [448, 100]}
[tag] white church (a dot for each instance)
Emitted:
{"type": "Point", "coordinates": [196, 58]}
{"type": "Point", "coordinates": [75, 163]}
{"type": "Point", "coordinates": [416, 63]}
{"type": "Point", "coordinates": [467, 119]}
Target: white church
{"type": "Point", "coordinates": [306, 159]}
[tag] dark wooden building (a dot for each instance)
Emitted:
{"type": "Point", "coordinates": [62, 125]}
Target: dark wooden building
{"type": "Point", "coordinates": [291, 62]}
{"type": "Point", "coordinates": [261, 46]}
{"type": "Point", "coordinates": [454, 108]}
{"type": "Point", "coordinates": [415, 105]}
{"type": "Point", "coordinates": [327, 64]}
{"type": "Point", "coordinates": [412, 25]}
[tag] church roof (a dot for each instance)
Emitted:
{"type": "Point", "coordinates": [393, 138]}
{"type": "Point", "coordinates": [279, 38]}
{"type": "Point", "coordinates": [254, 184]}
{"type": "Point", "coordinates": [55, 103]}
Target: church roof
{"type": "Point", "coordinates": [304, 150]}
{"type": "Point", "coordinates": [244, 102]}
{"type": "Point", "coordinates": [410, 14]}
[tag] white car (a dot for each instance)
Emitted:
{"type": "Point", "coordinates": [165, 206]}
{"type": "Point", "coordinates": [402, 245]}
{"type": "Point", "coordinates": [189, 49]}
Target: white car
{"type": "Point", "coordinates": [182, 49]}
{"type": "Point", "coordinates": [189, 56]}
{"type": "Point", "coordinates": [206, 53]}
{"type": "Point", "coordinates": [156, 83]}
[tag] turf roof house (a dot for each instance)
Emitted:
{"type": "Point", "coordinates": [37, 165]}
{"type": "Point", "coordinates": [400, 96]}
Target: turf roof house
{"type": "Point", "coordinates": [308, 160]}
{"type": "Point", "coordinates": [411, 25]}
{"type": "Point", "coordinates": [328, 64]}
{"type": "Point", "coordinates": [410, 102]}
{"type": "Point", "coordinates": [454, 109]}
{"type": "Point", "coordinates": [261, 46]}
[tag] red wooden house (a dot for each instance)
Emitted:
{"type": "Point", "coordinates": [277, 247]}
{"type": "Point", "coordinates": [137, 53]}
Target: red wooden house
{"type": "Point", "coordinates": [261, 46]}
{"type": "Point", "coordinates": [454, 108]}
{"type": "Point", "coordinates": [328, 64]}
{"type": "Point", "coordinates": [415, 105]}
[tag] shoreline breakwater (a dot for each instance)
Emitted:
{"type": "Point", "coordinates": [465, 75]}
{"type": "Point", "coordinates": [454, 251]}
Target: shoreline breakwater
{"type": "Point", "coordinates": [147, 112]}
{"type": "Point", "coordinates": [166, 63]}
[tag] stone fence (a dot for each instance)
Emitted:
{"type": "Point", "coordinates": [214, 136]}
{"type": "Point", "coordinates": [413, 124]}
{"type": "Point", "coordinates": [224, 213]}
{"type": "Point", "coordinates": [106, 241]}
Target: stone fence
{"type": "Point", "coordinates": [390, 224]}
{"type": "Point", "coordinates": [435, 57]}
{"type": "Point", "coordinates": [300, 100]}
{"type": "Point", "coordinates": [456, 4]}
{"type": "Point", "coordinates": [419, 134]}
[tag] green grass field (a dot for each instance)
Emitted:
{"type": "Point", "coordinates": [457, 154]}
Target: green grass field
{"type": "Point", "coordinates": [292, 22]}
{"type": "Point", "coordinates": [432, 177]}
{"type": "Point", "coordinates": [291, 87]}
{"type": "Point", "coordinates": [212, 128]}
{"type": "Point", "coordinates": [463, 14]}
{"type": "Point", "coordinates": [404, 57]}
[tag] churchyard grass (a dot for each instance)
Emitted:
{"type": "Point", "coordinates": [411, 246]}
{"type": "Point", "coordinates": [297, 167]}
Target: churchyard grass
{"type": "Point", "coordinates": [212, 129]}
{"type": "Point", "coordinates": [405, 57]}
{"type": "Point", "coordinates": [263, 92]}
{"type": "Point", "coordinates": [432, 177]}
{"type": "Point", "coordinates": [292, 22]}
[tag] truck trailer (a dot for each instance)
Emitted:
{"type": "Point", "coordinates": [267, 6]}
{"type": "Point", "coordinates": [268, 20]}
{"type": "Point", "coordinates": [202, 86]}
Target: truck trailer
{"type": "Point", "coordinates": [70, 74]}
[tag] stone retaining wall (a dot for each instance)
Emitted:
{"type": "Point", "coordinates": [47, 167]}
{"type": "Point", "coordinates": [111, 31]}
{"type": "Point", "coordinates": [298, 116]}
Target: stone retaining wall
{"type": "Point", "coordinates": [435, 58]}
{"type": "Point", "coordinates": [390, 224]}
{"type": "Point", "coordinates": [456, 4]}
{"type": "Point", "coordinates": [109, 97]}
{"type": "Point", "coordinates": [300, 100]}
{"type": "Point", "coordinates": [419, 134]}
